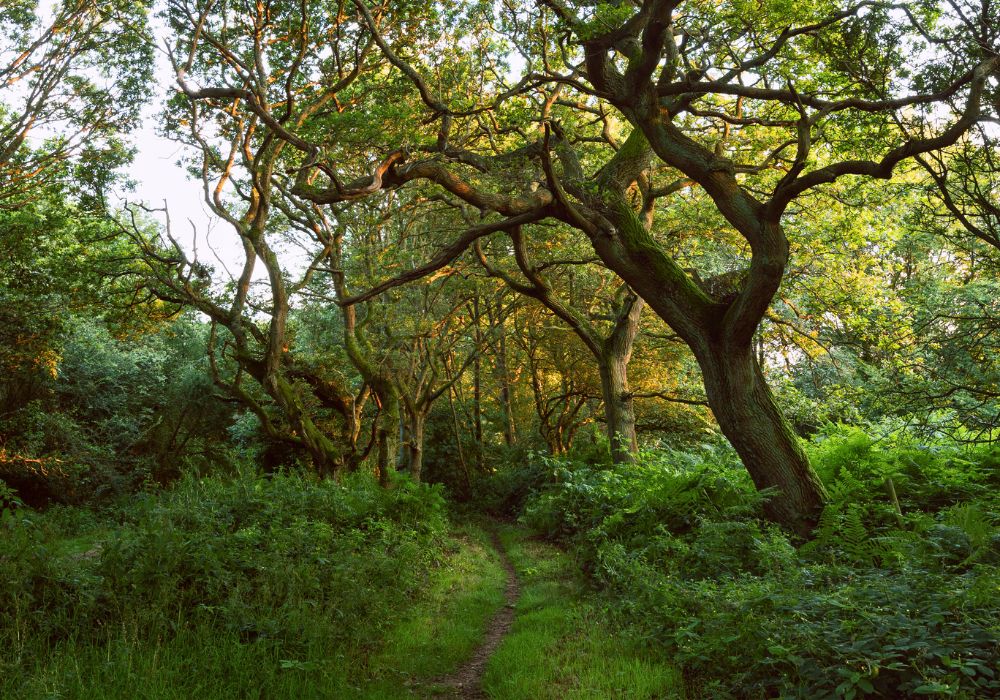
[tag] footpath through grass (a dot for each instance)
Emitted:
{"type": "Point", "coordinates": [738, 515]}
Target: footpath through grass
{"type": "Point", "coordinates": [560, 646]}
{"type": "Point", "coordinates": [285, 588]}
{"type": "Point", "coordinates": [442, 632]}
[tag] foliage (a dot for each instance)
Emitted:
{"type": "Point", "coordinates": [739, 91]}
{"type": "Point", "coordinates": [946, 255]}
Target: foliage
{"type": "Point", "coordinates": [282, 565]}
{"type": "Point", "coordinates": [803, 194]}
{"type": "Point", "coordinates": [115, 414]}
{"type": "Point", "coordinates": [883, 602]}
{"type": "Point", "coordinates": [74, 78]}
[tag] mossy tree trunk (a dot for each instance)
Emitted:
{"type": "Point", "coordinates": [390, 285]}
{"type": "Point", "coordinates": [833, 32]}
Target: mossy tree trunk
{"type": "Point", "coordinates": [619, 409]}
{"type": "Point", "coordinates": [719, 331]}
{"type": "Point", "coordinates": [752, 422]}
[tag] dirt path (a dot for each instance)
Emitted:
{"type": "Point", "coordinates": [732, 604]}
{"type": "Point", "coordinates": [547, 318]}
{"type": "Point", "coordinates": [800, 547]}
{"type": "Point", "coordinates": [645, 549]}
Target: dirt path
{"type": "Point", "coordinates": [466, 682]}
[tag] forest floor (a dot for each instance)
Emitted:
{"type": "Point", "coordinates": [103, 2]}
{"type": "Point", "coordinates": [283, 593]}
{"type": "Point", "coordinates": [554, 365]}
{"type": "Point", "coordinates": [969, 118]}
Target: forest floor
{"type": "Point", "coordinates": [548, 638]}
{"type": "Point", "coordinates": [466, 682]}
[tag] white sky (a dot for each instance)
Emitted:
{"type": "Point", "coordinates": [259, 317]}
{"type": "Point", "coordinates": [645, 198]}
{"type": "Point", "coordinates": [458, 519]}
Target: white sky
{"type": "Point", "coordinates": [160, 179]}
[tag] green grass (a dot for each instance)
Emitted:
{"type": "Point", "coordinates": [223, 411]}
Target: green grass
{"type": "Point", "coordinates": [195, 663]}
{"type": "Point", "coordinates": [559, 646]}
{"type": "Point", "coordinates": [444, 629]}
{"type": "Point", "coordinates": [288, 589]}
{"type": "Point", "coordinates": [439, 630]}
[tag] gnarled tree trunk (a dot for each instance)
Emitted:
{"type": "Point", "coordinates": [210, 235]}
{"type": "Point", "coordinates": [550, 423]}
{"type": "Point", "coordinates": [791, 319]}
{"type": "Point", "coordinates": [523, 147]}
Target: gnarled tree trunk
{"type": "Point", "coordinates": [619, 411]}
{"type": "Point", "coordinates": [751, 420]}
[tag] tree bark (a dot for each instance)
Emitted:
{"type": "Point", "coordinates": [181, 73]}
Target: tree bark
{"type": "Point", "coordinates": [749, 417]}
{"type": "Point", "coordinates": [383, 455]}
{"type": "Point", "coordinates": [388, 428]}
{"type": "Point", "coordinates": [327, 458]}
{"type": "Point", "coordinates": [619, 413]}
{"type": "Point", "coordinates": [415, 445]}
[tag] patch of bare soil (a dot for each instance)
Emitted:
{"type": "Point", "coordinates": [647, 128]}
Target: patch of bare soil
{"type": "Point", "coordinates": [466, 682]}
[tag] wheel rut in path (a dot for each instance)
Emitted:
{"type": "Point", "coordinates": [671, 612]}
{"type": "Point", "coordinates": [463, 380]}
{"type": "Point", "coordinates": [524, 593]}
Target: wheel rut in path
{"type": "Point", "coordinates": [466, 682]}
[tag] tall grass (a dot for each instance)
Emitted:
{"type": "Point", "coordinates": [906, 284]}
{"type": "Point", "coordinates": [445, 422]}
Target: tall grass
{"type": "Point", "coordinates": [277, 587]}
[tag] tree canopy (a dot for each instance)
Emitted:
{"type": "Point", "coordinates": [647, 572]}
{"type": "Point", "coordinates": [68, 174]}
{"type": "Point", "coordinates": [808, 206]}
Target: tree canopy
{"type": "Point", "coordinates": [680, 145]}
{"type": "Point", "coordinates": [703, 291]}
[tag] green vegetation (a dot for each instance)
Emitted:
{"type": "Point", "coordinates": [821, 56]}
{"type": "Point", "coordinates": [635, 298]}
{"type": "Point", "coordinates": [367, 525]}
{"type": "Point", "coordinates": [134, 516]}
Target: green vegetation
{"type": "Point", "coordinates": [895, 594]}
{"type": "Point", "coordinates": [443, 629]}
{"type": "Point", "coordinates": [693, 304]}
{"type": "Point", "coordinates": [561, 646]}
{"type": "Point", "coordinates": [276, 587]}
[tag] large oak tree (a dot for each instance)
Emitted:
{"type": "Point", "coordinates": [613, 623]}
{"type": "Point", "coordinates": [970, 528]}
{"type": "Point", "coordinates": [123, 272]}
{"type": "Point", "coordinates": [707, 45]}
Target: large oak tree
{"type": "Point", "coordinates": [601, 116]}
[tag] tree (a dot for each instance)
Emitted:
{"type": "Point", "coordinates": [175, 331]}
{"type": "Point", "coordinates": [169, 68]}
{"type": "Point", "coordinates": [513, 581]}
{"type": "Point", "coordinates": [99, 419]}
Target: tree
{"type": "Point", "coordinates": [71, 85]}
{"type": "Point", "coordinates": [432, 354]}
{"type": "Point", "coordinates": [611, 349]}
{"type": "Point", "coordinates": [756, 105]}
{"type": "Point", "coordinates": [70, 88]}
{"type": "Point", "coordinates": [669, 64]}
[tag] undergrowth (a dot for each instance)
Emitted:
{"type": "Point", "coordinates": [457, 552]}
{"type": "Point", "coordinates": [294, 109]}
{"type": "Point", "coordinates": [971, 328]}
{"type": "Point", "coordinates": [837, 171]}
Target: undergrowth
{"type": "Point", "coordinates": [278, 587]}
{"type": "Point", "coordinates": [898, 595]}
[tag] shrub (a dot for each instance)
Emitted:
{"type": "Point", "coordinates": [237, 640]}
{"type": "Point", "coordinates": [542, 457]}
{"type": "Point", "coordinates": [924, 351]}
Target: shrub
{"type": "Point", "coordinates": [884, 602]}
{"type": "Point", "coordinates": [503, 490]}
{"type": "Point", "coordinates": [283, 561]}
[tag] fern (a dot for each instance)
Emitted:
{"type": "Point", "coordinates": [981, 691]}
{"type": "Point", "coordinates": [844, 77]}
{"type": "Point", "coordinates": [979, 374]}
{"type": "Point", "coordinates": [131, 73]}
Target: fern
{"type": "Point", "coordinates": [846, 488]}
{"type": "Point", "coordinates": [826, 532]}
{"type": "Point", "coordinates": [843, 532]}
{"type": "Point", "coordinates": [855, 543]}
{"type": "Point", "coordinates": [971, 519]}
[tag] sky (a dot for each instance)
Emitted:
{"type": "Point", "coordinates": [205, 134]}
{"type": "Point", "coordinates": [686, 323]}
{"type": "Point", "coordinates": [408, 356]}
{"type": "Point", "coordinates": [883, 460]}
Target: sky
{"type": "Point", "coordinates": [161, 181]}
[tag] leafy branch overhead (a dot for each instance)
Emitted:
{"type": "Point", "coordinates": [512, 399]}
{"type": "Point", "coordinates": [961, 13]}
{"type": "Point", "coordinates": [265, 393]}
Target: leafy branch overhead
{"type": "Point", "coordinates": [602, 119]}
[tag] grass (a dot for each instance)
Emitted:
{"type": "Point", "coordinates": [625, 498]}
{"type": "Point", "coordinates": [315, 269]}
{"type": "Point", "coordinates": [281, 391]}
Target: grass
{"type": "Point", "coordinates": [443, 631]}
{"type": "Point", "coordinates": [559, 646]}
{"type": "Point", "coordinates": [285, 589]}
{"type": "Point", "coordinates": [194, 663]}
{"type": "Point", "coordinates": [440, 629]}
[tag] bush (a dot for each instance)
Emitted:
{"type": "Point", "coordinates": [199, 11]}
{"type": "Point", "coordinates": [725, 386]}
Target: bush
{"type": "Point", "coordinates": [504, 489]}
{"type": "Point", "coordinates": [884, 602]}
{"type": "Point", "coordinates": [283, 562]}
{"type": "Point", "coordinates": [856, 467]}
{"type": "Point", "coordinates": [668, 499]}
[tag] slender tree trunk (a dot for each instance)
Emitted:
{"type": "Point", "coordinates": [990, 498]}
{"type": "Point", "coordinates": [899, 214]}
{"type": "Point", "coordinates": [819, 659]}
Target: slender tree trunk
{"type": "Point", "coordinates": [477, 390]}
{"type": "Point", "coordinates": [749, 417]}
{"type": "Point", "coordinates": [415, 446]}
{"type": "Point", "coordinates": [509, 435]}
{"type": "Point", "coordinates": [388, 432]}
{"type": "Point", "coordinates": [383, 456]}
{"type": "Point", "coordinates": [619, 413]}
{"type": "Point", "coordinates": [615, 354]}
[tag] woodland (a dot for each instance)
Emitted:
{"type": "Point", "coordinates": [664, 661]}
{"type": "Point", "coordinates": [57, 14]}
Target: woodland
{"type": "Point", "coordinates": [534, 349]}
